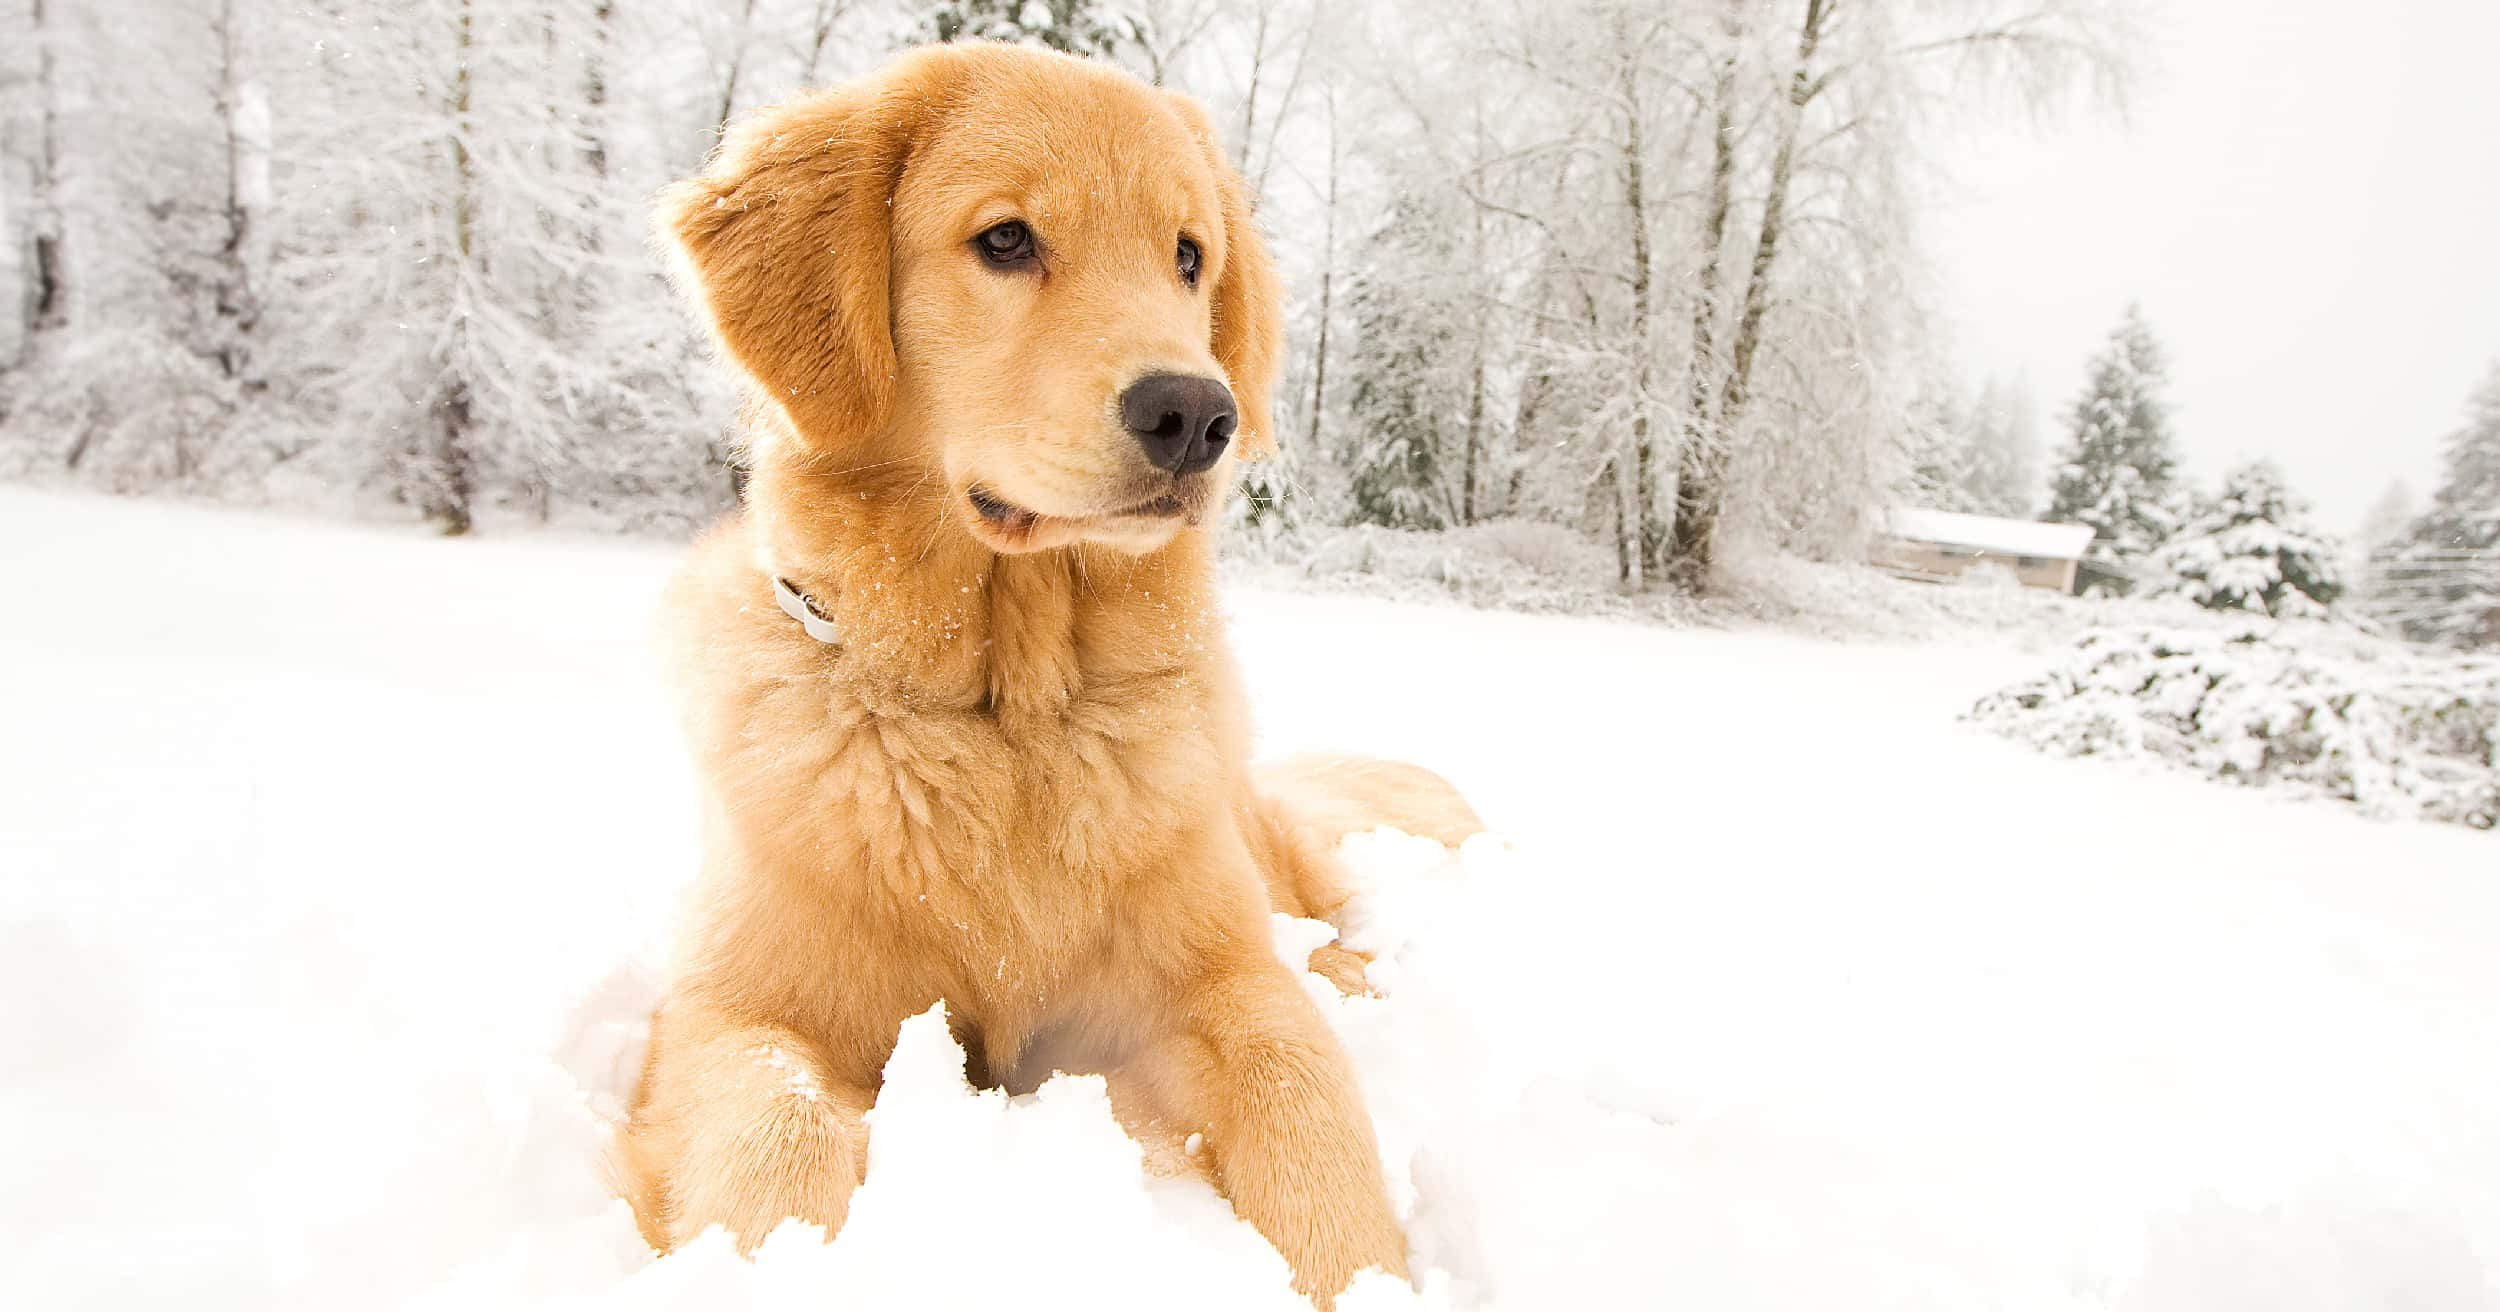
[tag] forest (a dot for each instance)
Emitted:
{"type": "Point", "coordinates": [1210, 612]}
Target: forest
{"type": "Point", "coordinates": [1647, 278]}
{"type": "Point", "coordinates": [1649, 272]}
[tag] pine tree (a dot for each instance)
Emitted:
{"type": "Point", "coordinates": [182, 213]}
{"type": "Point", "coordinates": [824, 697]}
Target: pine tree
{"type": "Point", "coordinates": [2253, 548]}
{"type": "Point", "coordinates": [2389, 518]}
{"type": "Point", "coordinates": [2002, 475]}
{"type": "Point", "coordinates": [1979, 456]}
{"type": "Point", "coordinates": [1402, 358]}
{"type": "Point", "coordinates": [2449, 566]}
{"type": "Point", "coordinates": [1076, 27]}
{"type": "Point", "coordinates": [2118, 472]}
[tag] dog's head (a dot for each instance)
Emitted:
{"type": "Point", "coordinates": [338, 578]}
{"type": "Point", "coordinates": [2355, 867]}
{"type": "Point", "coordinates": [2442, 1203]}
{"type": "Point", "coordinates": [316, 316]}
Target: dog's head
{"type": "Point", "coordinates": [1032, 276]}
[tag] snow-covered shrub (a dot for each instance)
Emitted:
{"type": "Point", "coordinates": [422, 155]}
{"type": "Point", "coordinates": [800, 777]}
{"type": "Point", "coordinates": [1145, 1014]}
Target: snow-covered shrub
{"type": "Point", "coordinates": [2441, 583]}
{"type": "Point", "coordinates": [2392, 729]}
{"type": "Point", "coordinates": [2252, 548]}
{"type": "Point", "coordinates": [1500, 565]}
{"type": "Point", "coordinates": [131, 413]}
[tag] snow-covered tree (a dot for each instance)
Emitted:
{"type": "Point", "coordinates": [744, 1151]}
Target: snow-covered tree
{"type": "Point", "coordinates": [2003, 475]}
{"type": "Point", "coordinates": [1836, 87]}
{"type": "Point", "coordinates": [2252, 547]}
{"type": "Point", "coordinates": [2389, 518]}
{"type": "Point", "coordinates": [2449, 564]}
{"type": "Point", "coordinates": [1077, 27]}
{"type": "Point", "coordinates": [132, 156]}
{"type": "Point", "coordinates": [1979, 455]}
{"type": "Point", "coordinates": [2118, 471]}
{"type": "Point", "coordinates": [1402, 360]}
{"type": "Point", "coordinates": [464, 280]}
{"type": "Point", "coordinates": [256, 248]}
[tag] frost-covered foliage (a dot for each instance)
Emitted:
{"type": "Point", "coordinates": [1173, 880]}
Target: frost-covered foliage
{"type": "Point", "coordinates": [1668, 250]}
{"type": "Point", "coordinates": [1644, 266]}
{"type": "Point", "coordinates": [1499, 564]}
{"type": "Point", "coordinates": [2253, 548]}
{"type": "Point", "coordinates": [460, 284]}
{"type": "Point", "coordinates": [1076, 27]}
{"type": "Point", "coordinates": [1540, 568]}
{"type": "Point", "coordinates": [2117, 473]}
{"type": "Point", "coordinates": [2441, 583]}
{"type": "Point", "coordinates": [1978, 455]}
{"type": "Point", "coordinates": [1407, 367]}
{"type": "Point", "coordinates": [2388, 728]}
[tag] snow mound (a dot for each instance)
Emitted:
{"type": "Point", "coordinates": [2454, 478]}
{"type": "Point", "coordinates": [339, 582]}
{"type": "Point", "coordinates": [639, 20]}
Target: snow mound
{"type": "Point", "coordinates": [1053, 1194]}
{"type": "Point", "coordinates": [2399, 732]}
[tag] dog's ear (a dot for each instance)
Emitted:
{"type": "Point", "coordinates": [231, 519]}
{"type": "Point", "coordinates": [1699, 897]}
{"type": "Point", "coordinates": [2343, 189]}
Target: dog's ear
{"type": "Point", "coordinates": [788, 238]}
{"type": "Point", "coordinates": [1248, 338]}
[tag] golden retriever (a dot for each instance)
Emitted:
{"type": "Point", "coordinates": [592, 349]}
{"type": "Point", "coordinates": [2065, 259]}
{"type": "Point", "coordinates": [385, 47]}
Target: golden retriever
{"type": "Point", "coordinates": [1008, 326]}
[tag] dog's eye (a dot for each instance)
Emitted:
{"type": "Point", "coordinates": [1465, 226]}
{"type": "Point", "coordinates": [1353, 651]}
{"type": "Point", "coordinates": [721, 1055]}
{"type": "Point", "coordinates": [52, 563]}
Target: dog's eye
{"type": "Point", "coordinates": [1006, 245]}
{"type": "Point", "coordinates": [1188, 261]}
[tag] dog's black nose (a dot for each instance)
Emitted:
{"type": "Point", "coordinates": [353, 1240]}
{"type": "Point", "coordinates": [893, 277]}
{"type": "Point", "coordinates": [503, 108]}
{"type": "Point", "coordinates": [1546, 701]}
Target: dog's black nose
{"type": "Point", "coordinates": [1182, 420]}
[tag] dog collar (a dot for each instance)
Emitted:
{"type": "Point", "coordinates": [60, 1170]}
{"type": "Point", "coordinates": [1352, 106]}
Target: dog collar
{"type": "Point", "coordinates": [801, 609]}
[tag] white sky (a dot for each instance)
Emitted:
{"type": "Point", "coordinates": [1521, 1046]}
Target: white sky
{"type": "Point", "coordinates": [2304, 194]}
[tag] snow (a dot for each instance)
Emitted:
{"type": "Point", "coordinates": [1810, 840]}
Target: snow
{"type": "Point", "coordinates": [2013, 537]}
{"type": "Point", "coordinates": [332, 861]}
{"type": "Point", "coordinates": [2396, 730]}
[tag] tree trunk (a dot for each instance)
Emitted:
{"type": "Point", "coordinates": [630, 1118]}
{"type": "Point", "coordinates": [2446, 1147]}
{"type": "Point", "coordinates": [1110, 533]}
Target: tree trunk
{"type": "Point", "coordinates": [1327, 279]}
{"type": "Point", "coordinates": [819, 30]}
{"type": "Point", "coordinates": [48, 305]}
{"type": "Point", "coordinates": [595, 91]}
{"type": "Point", "coordinates": [737, 59]}
{"type": "Point", "coordinates": [237, 301]}
{"type": "Point", "coordinates": [446, 477]}
{"type": "Point", "coordinates": [448, 482]}
{"type": "Point", "coordinates": [1475, 363]}
{"type": "Point", "coordinates": [1640, 503]}
{"type": "Point", "coordinates": [1250, 98]}
{"type": "Point", "coordinates": [1627, 551]}
{"type": "Point", "coordinates": [1698, 464]}
{"type": "Point", "coordinates": [1696, 530]}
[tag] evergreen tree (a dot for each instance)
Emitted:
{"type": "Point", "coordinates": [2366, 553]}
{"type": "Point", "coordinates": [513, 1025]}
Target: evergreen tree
{"type": "Point", "coordinates": [1978, 456]}
{"type": "Point", "coordinates": [2450, 562]}
{"type": "Point", "coordinates": [1937, 438]}
{"type": "Point", "coordinates": [2118, 472]}
{"type": "Point", "coordinates": [1402, 359]}
{"type": "Point", "coordinates": [2389, 518]}
{"type": "Point", "coordinates": [2002, 475]}
{"type": "Point", "coordinates": [1076, 27]}
{"type": "Point", "coordinates": [2253, 548]}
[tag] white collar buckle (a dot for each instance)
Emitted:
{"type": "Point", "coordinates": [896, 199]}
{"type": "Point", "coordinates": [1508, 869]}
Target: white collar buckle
{"type": "Point", "coordinates": [798, 607]}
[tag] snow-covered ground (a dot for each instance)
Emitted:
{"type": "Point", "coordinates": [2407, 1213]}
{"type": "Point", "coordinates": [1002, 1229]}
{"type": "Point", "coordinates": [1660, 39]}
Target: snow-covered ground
{"type": "Point", "coordinates": [329, 858]}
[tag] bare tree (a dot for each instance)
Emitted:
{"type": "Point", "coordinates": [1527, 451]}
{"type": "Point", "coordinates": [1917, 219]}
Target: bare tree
{"type": "Point", "coordinates": [2034, 53]}
{"type": "Point", "coordinates": [1166, 31]}
{"type": "Point", "coordinates": [48, 297]}
{"type": "Point", "coordinates": [1327, 274]}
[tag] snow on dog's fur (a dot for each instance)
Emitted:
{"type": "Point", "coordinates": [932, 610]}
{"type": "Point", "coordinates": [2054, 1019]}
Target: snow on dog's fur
{"type": "Point", "coordinates": [1019, 785]}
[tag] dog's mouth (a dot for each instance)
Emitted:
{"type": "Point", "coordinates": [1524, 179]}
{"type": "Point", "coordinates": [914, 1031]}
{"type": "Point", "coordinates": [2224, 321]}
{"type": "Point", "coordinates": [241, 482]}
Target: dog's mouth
{"type": "Point", "coordinates": [999, 513]}
{"type": "Point", "coordinates": [1012, 527]}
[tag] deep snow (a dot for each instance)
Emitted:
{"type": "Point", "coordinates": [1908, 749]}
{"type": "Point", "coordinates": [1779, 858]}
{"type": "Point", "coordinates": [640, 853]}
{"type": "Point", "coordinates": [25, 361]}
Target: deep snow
{"type": "Point", "coordinates": [331, 860]}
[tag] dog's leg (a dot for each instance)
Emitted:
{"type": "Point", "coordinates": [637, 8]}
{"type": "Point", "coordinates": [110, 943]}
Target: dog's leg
{"type": "Point", "coordinates": [1255, 1069]}
{"type": "Point", "coordinates": [740, 1126]}
{"type": "Point", "coordinates": [1307, 805]}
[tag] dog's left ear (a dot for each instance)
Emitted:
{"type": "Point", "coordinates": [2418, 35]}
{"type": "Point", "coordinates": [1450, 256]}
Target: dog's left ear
{"type": "Point", "coordinates": [1248, 337]}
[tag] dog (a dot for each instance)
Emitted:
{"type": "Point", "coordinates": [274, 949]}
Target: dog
{"type": "Point", "coordinates": [955, 679]}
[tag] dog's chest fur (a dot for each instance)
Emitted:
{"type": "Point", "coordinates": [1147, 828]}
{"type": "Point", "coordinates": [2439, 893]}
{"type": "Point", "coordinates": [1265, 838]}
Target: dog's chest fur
{"type": "Point", "coordinates": [992, 771]}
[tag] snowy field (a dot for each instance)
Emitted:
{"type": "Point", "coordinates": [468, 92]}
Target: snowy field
{"type": "Point", "coordinates": [331, 860]}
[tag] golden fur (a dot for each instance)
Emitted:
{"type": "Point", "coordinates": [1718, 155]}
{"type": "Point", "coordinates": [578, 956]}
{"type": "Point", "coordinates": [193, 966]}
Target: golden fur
{"type": "Point", "coordinates": [1020, 784]}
